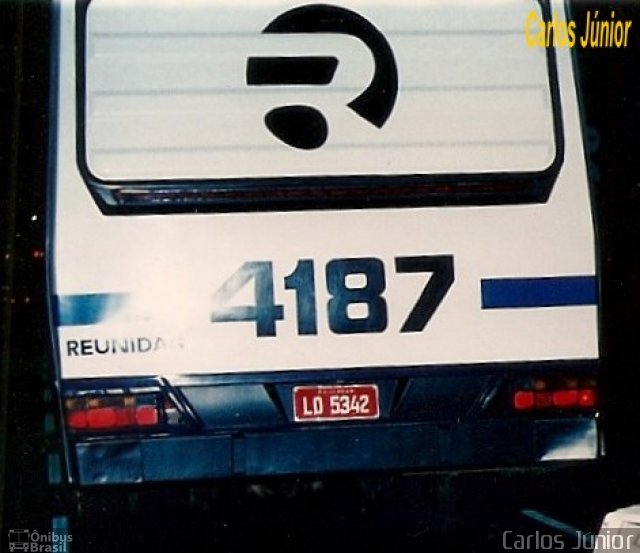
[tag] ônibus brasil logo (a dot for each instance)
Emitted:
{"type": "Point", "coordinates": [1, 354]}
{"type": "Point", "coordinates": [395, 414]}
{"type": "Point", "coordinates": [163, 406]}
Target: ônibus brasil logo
{"type": "Point", "coordinates": [39, 542]}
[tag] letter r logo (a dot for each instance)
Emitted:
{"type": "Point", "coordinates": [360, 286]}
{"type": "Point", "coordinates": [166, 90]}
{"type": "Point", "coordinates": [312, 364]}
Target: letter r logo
{"type": "Point", "coordinates": [305, 127]}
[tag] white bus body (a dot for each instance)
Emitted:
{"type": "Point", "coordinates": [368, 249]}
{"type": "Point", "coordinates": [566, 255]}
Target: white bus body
{"type": "Point", "coordinates": [425, 263]}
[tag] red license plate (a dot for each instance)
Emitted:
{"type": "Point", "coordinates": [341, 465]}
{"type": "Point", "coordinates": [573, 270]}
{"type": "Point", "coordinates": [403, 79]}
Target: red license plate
{"type": "Point", "coordinates": [331, 403]}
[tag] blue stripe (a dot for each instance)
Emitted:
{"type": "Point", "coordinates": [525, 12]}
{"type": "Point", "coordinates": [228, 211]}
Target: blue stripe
{"type": "Point", "coordinates": [504, 293]}
{"type": "Point", "coordinates": [87, 309]}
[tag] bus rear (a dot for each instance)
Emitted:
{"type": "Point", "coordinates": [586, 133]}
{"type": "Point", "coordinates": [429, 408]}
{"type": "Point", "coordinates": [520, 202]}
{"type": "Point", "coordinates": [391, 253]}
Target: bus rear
{"type": "Point", "coordinates": [304, 238]}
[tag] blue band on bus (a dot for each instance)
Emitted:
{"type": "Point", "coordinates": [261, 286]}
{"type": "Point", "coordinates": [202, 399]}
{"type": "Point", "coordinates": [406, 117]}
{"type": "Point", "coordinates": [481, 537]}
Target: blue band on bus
{"type": "Point", "coordinates": [506, 293]}
{"type": "Point", "coordinates": [86, 309]}
{"type": "Point", "coordinates": [497, 293]}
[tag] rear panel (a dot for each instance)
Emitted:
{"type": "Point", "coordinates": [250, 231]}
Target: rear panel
{"type": "Point", "coordinates": [255, 204]}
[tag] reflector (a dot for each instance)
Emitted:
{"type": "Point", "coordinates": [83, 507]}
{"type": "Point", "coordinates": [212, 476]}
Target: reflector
{"type": "Point", "coordinates": [544, 399]}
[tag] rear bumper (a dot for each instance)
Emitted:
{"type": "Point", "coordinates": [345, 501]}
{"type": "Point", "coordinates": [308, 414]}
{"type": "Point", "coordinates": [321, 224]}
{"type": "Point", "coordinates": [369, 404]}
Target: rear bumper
{"type": "Point", "coordinates": [412, 446]}
{"type": "Point", "coordinates": [431, 419]}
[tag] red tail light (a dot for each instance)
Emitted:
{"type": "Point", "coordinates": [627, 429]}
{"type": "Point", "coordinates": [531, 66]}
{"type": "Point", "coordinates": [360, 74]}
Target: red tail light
{"type": "Point", "coordinates": [102, 417]}
{"type": "Point", "coordinates": [563, 394]}
{"type": "Point", "coordinates": [116, 411]}
{"type": "Point", "coordinates": [565, 398]}
{"type": "Point", "coordinates": [147, 416]}
{"type": "Point", "coordinates": [524, 400]}
{"type": "Point", "coordinates": [587, 398]}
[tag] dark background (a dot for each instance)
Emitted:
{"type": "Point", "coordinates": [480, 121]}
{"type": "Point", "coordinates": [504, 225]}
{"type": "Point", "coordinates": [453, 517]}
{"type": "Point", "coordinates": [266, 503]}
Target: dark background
{"type": "Point", "coordinates": [413, 512]}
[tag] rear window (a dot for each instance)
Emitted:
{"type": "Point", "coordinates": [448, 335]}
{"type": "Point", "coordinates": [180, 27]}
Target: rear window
{"type": "Point", "coordinates": [218, 105]}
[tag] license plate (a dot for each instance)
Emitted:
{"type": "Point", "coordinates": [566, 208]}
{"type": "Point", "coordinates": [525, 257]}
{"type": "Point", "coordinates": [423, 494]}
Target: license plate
{"type": "Point", "coordinates": [332, 403]}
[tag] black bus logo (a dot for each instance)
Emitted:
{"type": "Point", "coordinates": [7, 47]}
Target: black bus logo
{"type": "Point", "coordinates": [305, 127]}
{"type": "Point", "coordinates": [18, 540]}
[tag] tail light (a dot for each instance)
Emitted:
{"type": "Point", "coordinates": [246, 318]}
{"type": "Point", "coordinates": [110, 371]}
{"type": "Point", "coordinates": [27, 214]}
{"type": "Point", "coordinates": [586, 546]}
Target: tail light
{"type": "Point", "coordinates": [101, 411]}
{"type": "Point", "coordinates": [559, 394]}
